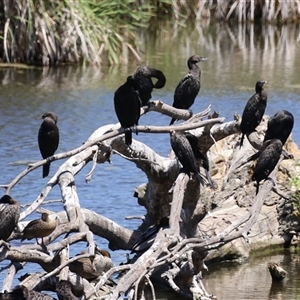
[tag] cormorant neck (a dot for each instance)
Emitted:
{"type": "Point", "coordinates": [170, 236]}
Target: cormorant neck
{"type": "Point", "coordinates": [193, 66]}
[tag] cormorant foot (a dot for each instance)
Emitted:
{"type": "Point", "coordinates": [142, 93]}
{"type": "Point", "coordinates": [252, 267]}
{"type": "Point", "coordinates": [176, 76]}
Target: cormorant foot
{"type": "Point", "coordinates": [50, 159]}
{"type": "Point", "coordinates": [134, 129]}
{"type": "Point", "coordinates": [273, 182]}
{"type": "Point", "coordinates": [287, 155]}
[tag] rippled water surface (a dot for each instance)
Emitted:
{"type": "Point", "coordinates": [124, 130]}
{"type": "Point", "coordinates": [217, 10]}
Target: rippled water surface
{"type": "Point", "coordinates": [82, 97]}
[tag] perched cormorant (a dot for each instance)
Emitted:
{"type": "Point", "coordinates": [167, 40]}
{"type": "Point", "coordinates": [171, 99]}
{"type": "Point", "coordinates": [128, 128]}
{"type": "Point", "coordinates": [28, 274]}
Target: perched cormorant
{"type": "Point", "coordinates": [34, 295]}
{"type": "Point", "coordinates": [145, 241]}
{"type": "Point", "coordinates": [143, 76]}
{"type": "Point", "coordinates": [39, 228]}
{"type": "Point", "coordinates": [127, 106]}
{"type": "Point", "coordinates": [268, 158]}
{"type": "Point", "coordinates": [9, 216]}
{"type": "Point", "coordinates": [189, 86]}
{"type": "Point", "coordinates": [21, 292]}
{"type": "Point", "coordinates": [198, 155]}
{"type": "Point", "coordinates": [280, 126]}
{"type": "Point", "coordinates": [48, 138]}
{"type": "Point", "coordinates": [64, 290]}
{"type": "Point", "coordinates": [183, 150]}
{"type": "Point", "coordinates": [91, 268]}
{"type": "Point", "coordinates": [254, 110]}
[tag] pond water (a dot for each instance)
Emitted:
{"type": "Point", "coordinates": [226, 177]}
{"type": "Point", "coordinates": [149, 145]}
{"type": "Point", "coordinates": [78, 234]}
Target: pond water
{"type": "Point", "coordinates": [82, 97]}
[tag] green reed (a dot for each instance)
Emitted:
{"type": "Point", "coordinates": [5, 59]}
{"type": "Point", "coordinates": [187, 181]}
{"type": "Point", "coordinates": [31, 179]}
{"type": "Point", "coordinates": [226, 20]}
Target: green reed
{"type": "Point", "coordinates": [50, 32]}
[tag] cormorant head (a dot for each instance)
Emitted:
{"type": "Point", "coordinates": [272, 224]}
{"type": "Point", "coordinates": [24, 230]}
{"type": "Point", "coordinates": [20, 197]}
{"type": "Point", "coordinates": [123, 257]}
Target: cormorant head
{"type": "Point", "coordinates": [105, 253]}
{"type": "Point", "coordinates": [132, 82]}
{"type": "Point", "coordinates": [259, 85]}
{"type": "Point", "coordinates": [6, 199]}
{"type": "Point", "coordinates": [195, 59]}
{"type": "Point", "coordinates": [45, 217]}
{"type": "Point", "coordinates": [51, 115]}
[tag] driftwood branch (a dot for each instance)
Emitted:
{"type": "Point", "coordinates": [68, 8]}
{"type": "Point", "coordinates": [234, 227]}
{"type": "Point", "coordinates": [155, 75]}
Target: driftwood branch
{"type": "Point", "coordinates": [178, 252]}
{"type": "Point", "coordinates": [112, 131]}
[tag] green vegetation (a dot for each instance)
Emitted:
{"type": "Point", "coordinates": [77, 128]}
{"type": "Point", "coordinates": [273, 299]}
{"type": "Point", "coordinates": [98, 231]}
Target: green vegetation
{"type": "Point", "coordinates": [55, 31]}
{"type": "Point", "coordinates": [295, 182]}
{"type": "Point", "coordinates": [49, 32]}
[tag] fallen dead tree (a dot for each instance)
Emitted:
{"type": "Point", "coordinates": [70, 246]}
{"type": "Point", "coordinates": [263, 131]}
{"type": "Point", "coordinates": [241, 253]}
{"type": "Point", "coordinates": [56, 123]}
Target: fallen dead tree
{"type": "Point", "coordinates": [200, 219]}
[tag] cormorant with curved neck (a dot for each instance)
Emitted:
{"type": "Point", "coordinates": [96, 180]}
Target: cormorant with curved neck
{"type": "Point", "coordinates": [128, 106]}
{"type": "Point", "coordinates": [183, 150]}
{"type": "Point", "coordinates": [9, 216]}
{"type": "Point", "coordinates": [268, 158]}
{"type": "Point", "coordinates": [48, 138]}
{"type": "Point", "coordinates": [143, 76]}
{"type": "Point", "coordinates": [39, 228]}
{"type": "Point", "coordinates": [254, 110]}
{"type": "Point", "coordinates": [280, 126]}
{"type": "Point", "coordinates": [189, 86]}
{"type": "Point", "coordinates": [198, 155]}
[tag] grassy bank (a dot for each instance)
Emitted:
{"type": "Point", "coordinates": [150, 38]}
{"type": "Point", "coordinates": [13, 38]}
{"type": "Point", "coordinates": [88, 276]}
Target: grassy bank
{"type": "Point", "coordinates": [273, 11]}
{"type": "Point", "coordinates": [50, 32]}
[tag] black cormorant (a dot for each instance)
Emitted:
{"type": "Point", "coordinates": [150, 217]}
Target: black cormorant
{"type": "Point", "coordinates": [39, 228]}
{"type": "Point", "coordinates": [21, 292]}
{"type": "Point", "coordinates": [64, 290]}
{"type": "Point", "coordinates": [189, 86]}
{"type": "Point", "coordinates": [128, 106]}
{"type": "Point", "coordinates": [145, 241]}
{"type": "Point", "coordinates": [268, 158]}
{"type": "Point", "coordinates": [9, 216]}
{"type": "Point", "coordinates": [183, 150]}
{"type": "Point", "coordinates": [198, 155]}
{"type": "Point", "coordinates": [143, 76]}
{"type": "Point", "coordinates": [254, 110]}
{"type": "Point", "coordinates": [48, 138]}
{"type": "Point", "coordinates": [280, 126]}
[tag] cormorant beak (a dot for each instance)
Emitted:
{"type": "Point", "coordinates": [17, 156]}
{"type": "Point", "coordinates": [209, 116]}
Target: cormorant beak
{"type": "Point", "coordinates": [203, 58]}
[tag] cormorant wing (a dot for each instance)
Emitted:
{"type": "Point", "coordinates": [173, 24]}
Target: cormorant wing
{"type": "Point", "coordinates": [145, 241]}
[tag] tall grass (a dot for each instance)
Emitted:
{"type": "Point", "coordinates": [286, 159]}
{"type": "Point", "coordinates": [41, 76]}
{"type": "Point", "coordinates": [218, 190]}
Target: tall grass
{"type": "Point", "coordinates": [49, 32]}
{"type": "Point", "coordinates": [56, 31]}
{"type": "Point", "coordinates": [240, 10]}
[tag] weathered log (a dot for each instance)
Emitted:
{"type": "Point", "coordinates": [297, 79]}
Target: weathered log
{"type": "Point", "coordinates": [200, 219]}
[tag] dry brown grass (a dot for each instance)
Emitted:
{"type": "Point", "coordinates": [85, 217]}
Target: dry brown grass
{"type": "Point", "coordinates": [240, 10]}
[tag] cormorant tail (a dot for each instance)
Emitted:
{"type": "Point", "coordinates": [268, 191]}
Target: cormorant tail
{"type": "Point", "coordinates": [257, 187]}
{"type": "Point", "coordinates": [46, 169]}
{"type": "Point", "coordinates": [172, 121]}
{"type": "Point", "coordinates": [128, 136]}
{"type": "Point", "coordinates": [242, 140]}
{"type": "Point", "coordinates": [210, 181]}
{"type": "Point", "coordinates": [201, 179]}
{"type": "Point", "coordinates": [253, 157]}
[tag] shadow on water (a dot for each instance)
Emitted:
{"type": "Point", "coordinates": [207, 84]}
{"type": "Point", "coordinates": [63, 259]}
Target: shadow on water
{"type": "Point", "coordinates": [252, 280]}
{"type": "Point", "coordinates": [82, 97]}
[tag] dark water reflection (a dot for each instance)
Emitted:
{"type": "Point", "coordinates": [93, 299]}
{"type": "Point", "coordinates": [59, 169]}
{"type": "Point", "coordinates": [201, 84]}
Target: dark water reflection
{"type": "Point", "coordinates": [82, 97]}
{"type": "Point", "coordinates": [253, 281]}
